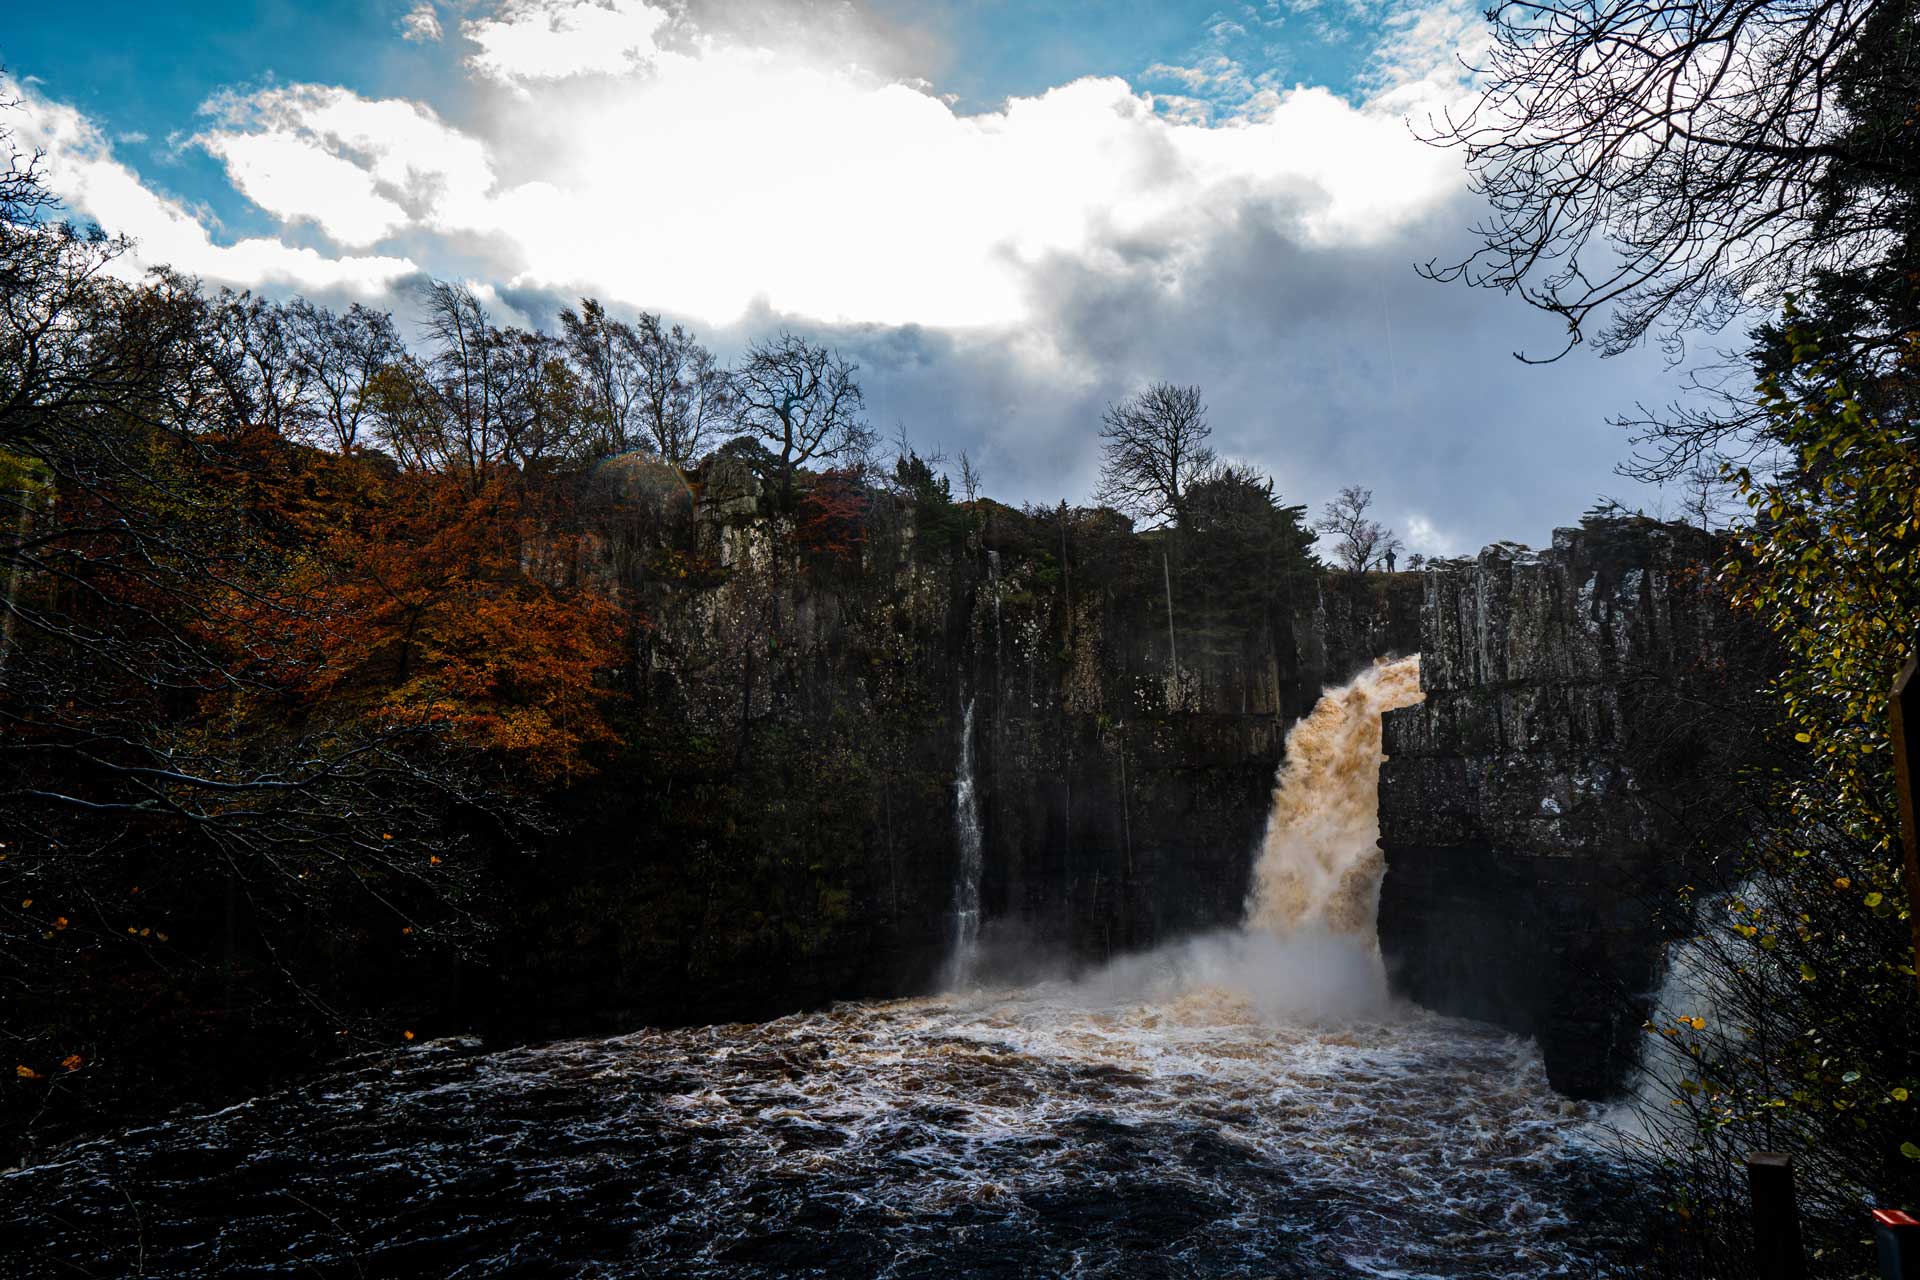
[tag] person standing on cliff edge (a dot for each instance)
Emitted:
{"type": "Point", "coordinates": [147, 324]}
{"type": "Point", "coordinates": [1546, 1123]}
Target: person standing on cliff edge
{"type": "Point", "coordinates": [1390, 559]}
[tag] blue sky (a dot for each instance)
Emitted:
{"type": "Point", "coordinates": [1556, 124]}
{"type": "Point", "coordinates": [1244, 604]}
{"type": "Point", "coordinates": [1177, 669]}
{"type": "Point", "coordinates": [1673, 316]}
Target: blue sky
{"type": "Point", "coordinates": [1009, 213]}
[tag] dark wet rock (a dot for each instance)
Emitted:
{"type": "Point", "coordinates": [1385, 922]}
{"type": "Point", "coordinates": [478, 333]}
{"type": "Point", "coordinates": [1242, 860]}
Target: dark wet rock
{"type": "Point", "coordinates": [1539, 810]}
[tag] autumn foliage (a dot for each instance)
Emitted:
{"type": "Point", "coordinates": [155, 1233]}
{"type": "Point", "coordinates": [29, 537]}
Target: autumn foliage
{"type": "Point", "coordinates": [464, 612]}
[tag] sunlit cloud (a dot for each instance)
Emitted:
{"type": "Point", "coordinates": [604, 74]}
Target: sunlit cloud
{"type": "Point", "coordinates": [80, 161]}
{"type": "Point", "coordinates": [421, 24]}
{"type": "Point", "coordinates": [707, 177]}
{"type": "Point", "coordinates": [559, 39]}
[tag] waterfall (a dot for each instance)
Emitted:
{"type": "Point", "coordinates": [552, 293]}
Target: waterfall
{"type": "Point", "coordinates": [966, 885]}
{"type": "Point", "coordinates": [1320, 863]}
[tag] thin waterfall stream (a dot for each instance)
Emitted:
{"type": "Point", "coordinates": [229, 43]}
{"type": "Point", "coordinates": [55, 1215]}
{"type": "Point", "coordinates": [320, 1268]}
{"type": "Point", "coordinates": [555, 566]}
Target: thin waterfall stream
{"type": "Point", "coordinates": [1245, 1103]}
{"type": "Point", "coordinates": [962, 955]}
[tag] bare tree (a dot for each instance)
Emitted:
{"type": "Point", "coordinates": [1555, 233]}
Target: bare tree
{"type": "Point", "coordinates": [602, 349]}
{"type": "Point", "coordinates": [1708, 499]}
{"type": "Point", "coordinates": [341, 356]}
{"type": "Point", "coordinates": [248, 349]}
{"type": "Point", "coordinates": [969, 478]}
{"type": "Point", "coordinates": [1154, 448]}
{"type": "Point", "coordinates": [546, 411]}
{"type": "Point", "coordinates": [1359, 542]}
{"type": "Point", "coordinates": [445, 412]}
{"type": "Point", "coordinates": [1664, 163]}
{"type": "Point", "coordinates": [800, 397]}
{"type": "Point", "coordinates": [684, 394]}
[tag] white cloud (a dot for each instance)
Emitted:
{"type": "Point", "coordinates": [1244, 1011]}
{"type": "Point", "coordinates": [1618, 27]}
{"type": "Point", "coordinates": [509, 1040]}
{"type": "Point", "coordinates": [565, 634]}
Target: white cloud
{"type": "Point", "coordinates": [358, 168]}
{"type": "Point", "coordinates": [421, 24]}
{"type": "Point", "coordinates": [705, 176]}
{"type": "Point", "coordinates": [709, 176]}
{"type": "Point", "coordinates": [295, 180]}
{"type": "Point", "coordinates": [1425, 537]}
{"type": "Point", "coordinates": [94, 185]}
{"type": "Point", "coordinates": [531, 40]}
{"type": "Point", "coordinates": [1422, 63]}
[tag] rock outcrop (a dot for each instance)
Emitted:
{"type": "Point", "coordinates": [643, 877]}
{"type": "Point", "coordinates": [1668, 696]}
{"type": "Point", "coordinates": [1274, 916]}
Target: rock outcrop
{"type": "Point", "coordinates": [1540, 808]}
{"type": "Point", "coordinates": [781, 828]}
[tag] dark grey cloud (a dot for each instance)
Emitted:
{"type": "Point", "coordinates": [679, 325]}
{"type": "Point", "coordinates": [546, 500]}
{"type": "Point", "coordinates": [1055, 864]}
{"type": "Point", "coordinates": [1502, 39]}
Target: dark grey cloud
{"type": "Point", "coordinates": [1326, 367]}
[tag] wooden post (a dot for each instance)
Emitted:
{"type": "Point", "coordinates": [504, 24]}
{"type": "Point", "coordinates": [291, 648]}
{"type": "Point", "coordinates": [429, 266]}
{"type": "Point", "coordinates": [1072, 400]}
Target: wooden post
{"type": "Point", "coordinates": [1896, 1236]}
{"type": "Point", "coordinates": [1905, 707]}
{"type": "Point", "coordinates": [1776, 1218]}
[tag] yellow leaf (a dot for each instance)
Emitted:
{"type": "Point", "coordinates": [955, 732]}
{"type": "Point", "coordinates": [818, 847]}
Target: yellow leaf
{"type": "Point", "coordinates": [407, 1035]}
{"type": "Point", "coordinates": [25, 903]}
{"type": "Point", "coordinates": [26, 1072]}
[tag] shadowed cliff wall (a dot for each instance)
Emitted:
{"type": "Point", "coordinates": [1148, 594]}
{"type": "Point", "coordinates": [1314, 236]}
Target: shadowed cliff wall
{"type": "Point", "coordinates": [779, 830]}
{"type": "Point", "coordinates": [1541, 807]}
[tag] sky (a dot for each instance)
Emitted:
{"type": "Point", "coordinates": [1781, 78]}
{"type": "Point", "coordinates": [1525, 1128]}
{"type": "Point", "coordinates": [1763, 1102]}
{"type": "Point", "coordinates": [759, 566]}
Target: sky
{"type": "Point", "coordinates": [1009, 213]}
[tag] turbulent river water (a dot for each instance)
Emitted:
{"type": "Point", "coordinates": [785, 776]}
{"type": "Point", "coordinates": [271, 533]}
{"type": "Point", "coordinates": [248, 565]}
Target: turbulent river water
{"type": "Point", "coordinates": [1245, 1104]}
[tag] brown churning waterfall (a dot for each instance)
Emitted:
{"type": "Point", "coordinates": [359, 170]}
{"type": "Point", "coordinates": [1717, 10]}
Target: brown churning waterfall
{"type": "Point", "coordinates": [1320, 864]}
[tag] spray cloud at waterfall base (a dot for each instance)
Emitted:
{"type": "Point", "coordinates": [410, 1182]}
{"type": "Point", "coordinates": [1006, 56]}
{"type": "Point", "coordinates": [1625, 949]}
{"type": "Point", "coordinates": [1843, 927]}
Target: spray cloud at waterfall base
{"type": "Point", "coordinates": [1307, 948]}
{"type": "Point", "coordinates": [1240, 1104]}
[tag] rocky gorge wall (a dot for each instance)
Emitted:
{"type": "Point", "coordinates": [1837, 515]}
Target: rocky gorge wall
{"type": "Point", "coordinates": [1540, 809]}
{"type": "Point", "coordinates": [778, 828]}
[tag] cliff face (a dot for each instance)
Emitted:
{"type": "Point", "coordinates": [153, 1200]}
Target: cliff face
{"type": "Point", "coordinates": [1126, 773]}
{"type": "Point", "coordinates": [780, 830]}
{"type": "Point", "coordinates": [1540, 808]}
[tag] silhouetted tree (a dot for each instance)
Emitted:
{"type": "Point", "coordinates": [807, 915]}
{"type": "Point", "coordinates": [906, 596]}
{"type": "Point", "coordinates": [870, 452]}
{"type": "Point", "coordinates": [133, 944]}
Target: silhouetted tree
{"type": "Point", "coordinates": [800, 397]}
{"type": "Point", "coordinates": [1154, 447]}
{"type": "Point", "coordinates": [341, 356]}
{"type": "Point", "coordinates": [1359, 542]}
{"type": "Point", "coordinates": [684, 394]}
{"type": "Point", "coordinates": [1654, 168]}
{"type": "Point", "coordinates": [602, 349]}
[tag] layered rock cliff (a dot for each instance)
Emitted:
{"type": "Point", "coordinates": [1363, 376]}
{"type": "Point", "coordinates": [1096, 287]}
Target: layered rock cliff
{"type": "Point", "coordinates": [1540, 808]}
{"type": "Point", "coordinates": [780, 829]}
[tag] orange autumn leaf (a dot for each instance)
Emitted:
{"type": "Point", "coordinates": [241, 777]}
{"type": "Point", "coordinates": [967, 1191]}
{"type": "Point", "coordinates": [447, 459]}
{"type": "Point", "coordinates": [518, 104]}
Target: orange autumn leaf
{"type": "Point", "coordinates": [26, 1072]}
{"type": "Point", "coordinates": [460, 611]}
{"type": "Point", "coordinates": [72, 1062]}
